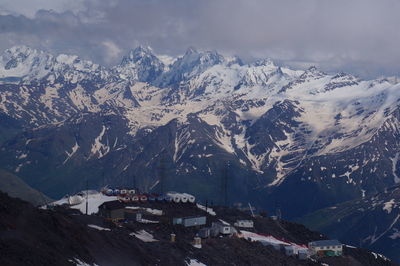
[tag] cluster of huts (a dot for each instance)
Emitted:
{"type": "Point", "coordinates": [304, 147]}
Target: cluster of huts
{"type": "Point", "coordinates": [316, 249]}
{"type": "Point", "coordinates": [325, 248]}
{"type": "Point", "coordinates": [120, 210]}
{"type": "Point", "coordinates": [132, 195]}
{"type": "Point", "coordinates": [216, 228]}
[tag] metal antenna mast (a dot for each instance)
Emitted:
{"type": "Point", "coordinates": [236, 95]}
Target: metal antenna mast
{"type": "Point", "coordinates": [224, 185]}
{"type": "Point", "coordinates": [87, 196]}
{"type": "Point", "coordinates": [161, 173]}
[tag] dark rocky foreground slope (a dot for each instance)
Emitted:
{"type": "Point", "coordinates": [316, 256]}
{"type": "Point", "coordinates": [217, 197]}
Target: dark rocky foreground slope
{"type": "Point", "coordinates": [15, 187]}
{"type": "Point", "coordinates": [31, 236]}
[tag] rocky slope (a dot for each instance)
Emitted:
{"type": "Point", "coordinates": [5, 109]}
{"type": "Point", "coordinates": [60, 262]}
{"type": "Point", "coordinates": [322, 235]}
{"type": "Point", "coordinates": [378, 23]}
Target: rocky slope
{"type": "Point", "coordinates": [15, 187]}
{"type": "Point", "coordinates": [30, 236]}
{"type": "Point", "coordinates": [294, 140]}
{"type": "Point", "coordinates": [370, 222]}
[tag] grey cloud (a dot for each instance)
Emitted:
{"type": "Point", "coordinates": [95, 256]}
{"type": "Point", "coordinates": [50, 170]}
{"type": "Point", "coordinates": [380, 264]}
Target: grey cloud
{"type": "Point", "coordinates": [358, 36]}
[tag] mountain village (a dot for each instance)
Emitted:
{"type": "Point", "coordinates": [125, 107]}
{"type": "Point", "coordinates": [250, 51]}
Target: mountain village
{"type": "Point", "coordinates": [181, 218]}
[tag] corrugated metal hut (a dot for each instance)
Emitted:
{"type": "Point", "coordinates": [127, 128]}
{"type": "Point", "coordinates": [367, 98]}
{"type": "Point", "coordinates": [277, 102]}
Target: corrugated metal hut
{"type": "Point", "coordinates": [133, 216]}
{"type": "Point", "coordinates": [112, 210]}
{"type": "Point", "coordinates": [204, 232]}
{"type": "Point", "coordinates": [194, 221]}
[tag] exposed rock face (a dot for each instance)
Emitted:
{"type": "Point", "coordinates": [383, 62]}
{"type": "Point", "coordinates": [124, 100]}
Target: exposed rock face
{"type": "Point", "coordinates": [294, 140]}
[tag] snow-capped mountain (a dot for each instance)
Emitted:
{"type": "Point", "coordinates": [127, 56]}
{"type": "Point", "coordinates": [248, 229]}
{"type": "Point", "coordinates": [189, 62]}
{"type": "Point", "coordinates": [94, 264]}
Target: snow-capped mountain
{"type": "Point", "coordinates": [22, 63]}
{"type": "Point", "coordinates": [283, 133]}
{"type": "Point", "coordinates": [140, 65]}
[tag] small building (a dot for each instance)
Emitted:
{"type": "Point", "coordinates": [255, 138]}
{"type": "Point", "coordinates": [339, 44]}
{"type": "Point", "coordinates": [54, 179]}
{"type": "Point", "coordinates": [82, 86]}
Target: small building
{"type": "Point", "coordinates": [173, 238]}
{"type": "Point", "coordinates": [328, 248]}
{"type": "Point", "coordinates": [205, 232]}
{"type": "Point", "coordinates": [194, 221]}
{"type": "Point", "coordinates": [274, 217]}
{"type": "Point", "coordinates": [197, 242]}
{"type": "Point", "coordinates": [276, 246]}
{"type": "Point", "coordinates": [289, 251]}
{"type": "Point", "coordinates": [183, 198]}
{"type": "Point", "coordinates": [214, 231]}
{"type": "Point", "coordinates": [190, 221]}
{"type": "Point", "coordinates": [112, 210]}
{"type": "Point", "coordinates": [124, 198]}
{"type": "Point", "coordinates": [303, 254]}
{"type": "Point", "coordinates": [244, 223]}
{"type": "Point", "coordinates": [133, 216]}
{"type": "Point", "coordinates": [109, 192]}
{"type": "Point", "coordinates": [190, 198]}
{"type": "Point", "coordinates": [177, 221]}
{"type": "Point", "coordinates": [224, 229]}
{"type": "Point", "coordinates": [175, 197]}
{"type": "Point", "coordinates": [75, 200]}
{"type": "Point", "coordinates": [135, 198]}
{"type": "Point", "coordinates": [143, 198]}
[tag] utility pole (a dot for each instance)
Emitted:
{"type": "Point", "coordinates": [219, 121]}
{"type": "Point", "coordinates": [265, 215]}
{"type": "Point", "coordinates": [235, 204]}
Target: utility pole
{"type": "Point", "coordinates": [87, 196]}
{"type": "Point", "coordinates": [279, 213]}
{"type": "Point", "coordinates": [251, 209]}
{"type": "Point", "coordinates": [134, 181]}
{"type": "Point", "coordinates": [161, 174]}
{"type": "Point", "coordinates": [224, 184]}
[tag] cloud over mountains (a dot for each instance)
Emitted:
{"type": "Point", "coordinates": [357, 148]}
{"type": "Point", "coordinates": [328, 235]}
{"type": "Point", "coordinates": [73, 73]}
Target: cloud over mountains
{"type": "Point", "coordinates": [359, 36]}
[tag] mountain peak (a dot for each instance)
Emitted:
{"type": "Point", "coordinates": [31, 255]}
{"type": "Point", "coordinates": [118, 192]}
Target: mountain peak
{"type": "Point", "coordinates": [191, 50]}
{"type": "Point", "coordinates": [138, 54]}
{"type": "Point", "coordinates": [142, 50]}
{"type": "Point", "coordinates": [312, 69]}
{"type": "Point", "coordinates": [140, 64]}
{"type": "Point", "coordinates": [263, 62]}
{"type": "Point", "coordinates": [22, 52]}
{"type": "Point", "coordinates": [312, 72]}
{"type": "Point", "coordinates": [20, 61]}
{"type": "Point", "coordinates": [21, 49]}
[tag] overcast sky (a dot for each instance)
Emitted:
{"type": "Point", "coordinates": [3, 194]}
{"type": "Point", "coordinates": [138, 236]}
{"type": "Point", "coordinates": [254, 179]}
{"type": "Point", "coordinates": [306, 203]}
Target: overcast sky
{"type": "Point", "coordinates": [357, 36]}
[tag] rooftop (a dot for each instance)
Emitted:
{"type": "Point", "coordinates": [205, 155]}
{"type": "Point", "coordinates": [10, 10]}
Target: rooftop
{"type": "Point", "coordinates": [323, 243]}
{"type": "Point", "coordinates": [112, 205]}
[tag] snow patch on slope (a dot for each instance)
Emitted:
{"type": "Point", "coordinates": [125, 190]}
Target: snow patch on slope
{"type": "Point", "coordinates": [98, 148]}
{"type": "Point", "coordinates": [70, 154]}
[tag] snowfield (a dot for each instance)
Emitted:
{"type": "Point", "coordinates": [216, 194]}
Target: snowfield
{"type": "Point", "coordinates": [144, 236]}
{"type": "Point", "coordinates": [330, 112]}
{"type": "Point", "coordinates": [95, 199]}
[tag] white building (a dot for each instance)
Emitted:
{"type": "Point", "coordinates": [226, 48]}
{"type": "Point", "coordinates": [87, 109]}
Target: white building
{"type": "Point", "coordinates": [244, 223]}
{"type": "Point", "coordinates": [224, 229]}
{"type": "Point", "coordinates": [326, 248]}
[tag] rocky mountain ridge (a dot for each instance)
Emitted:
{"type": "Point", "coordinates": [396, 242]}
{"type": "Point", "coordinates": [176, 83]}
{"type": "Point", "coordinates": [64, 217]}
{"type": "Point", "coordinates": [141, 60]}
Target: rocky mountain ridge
{"type": "Point", "coordinates": [283, 133]}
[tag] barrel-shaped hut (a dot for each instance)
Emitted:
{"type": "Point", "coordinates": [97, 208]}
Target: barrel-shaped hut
{"type": "Point", "coordinates": [190, 198]}
{"type": "Point", "coordinates": [75, 200]}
